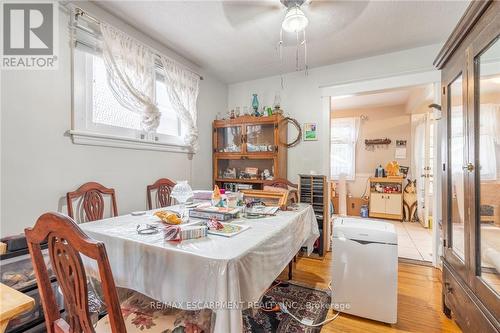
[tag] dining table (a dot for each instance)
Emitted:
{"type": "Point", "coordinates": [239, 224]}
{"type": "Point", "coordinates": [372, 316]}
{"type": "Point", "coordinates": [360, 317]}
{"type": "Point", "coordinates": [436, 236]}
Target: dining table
{"type": "Point", "coordinates": [225, 274]}
{"type": "Point", "coordinates": [12, 304]}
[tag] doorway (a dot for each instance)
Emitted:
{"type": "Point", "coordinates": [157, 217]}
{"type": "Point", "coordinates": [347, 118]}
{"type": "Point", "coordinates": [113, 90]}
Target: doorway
{"type": "Point", "coordinates": [403, 116]}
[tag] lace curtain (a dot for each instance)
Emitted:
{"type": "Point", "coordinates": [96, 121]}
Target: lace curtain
{"type": "Point", "coordinates": [131, 76]}
{"type": "Point", "coordinates": [182, 89]}
{"type": "Point", "coordinates": [344, 136]}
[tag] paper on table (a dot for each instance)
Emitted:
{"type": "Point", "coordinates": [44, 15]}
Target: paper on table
{"type": "Point", "coordinates": [263, 210]}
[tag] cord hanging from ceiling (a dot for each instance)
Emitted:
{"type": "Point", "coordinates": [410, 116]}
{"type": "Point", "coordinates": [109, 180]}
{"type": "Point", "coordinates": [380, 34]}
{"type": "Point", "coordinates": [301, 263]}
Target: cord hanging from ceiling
{"type": "Point", "coordinates": [296, 22]}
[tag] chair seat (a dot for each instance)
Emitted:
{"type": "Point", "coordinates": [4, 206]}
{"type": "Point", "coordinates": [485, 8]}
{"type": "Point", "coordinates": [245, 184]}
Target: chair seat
{"type": "Point", "coordinates": [145, 315]}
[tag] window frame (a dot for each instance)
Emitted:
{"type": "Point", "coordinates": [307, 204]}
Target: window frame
{"type": "Point", "coordinates": [85, 131]}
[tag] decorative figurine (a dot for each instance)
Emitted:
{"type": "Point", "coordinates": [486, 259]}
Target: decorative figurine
{"type": "Point", "coordinates": [392, 169]}
{"type": "Point", "coordinates": [216, 196]}
{"type": "Point", "coordinates": [266, 174]}
{"type": "Point", "coordinates": [230, 173]}
{"type": "Point", "coordinates": [232, 115]}
{"type": "Point", "coordinates": [410, 202]}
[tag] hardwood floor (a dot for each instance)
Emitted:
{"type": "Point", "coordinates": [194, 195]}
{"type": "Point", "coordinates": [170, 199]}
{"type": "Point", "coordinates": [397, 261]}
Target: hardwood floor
{"type": "Point", "coordinates": [419, 299]}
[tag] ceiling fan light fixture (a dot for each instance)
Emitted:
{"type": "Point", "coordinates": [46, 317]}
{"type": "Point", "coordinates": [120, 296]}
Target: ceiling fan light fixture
{"type": "Point", "coordinates": [295, 20]}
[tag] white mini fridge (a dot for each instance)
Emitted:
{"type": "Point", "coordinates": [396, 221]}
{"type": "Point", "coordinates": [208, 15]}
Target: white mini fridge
{"type": "Point", "coordinates": [365, 268]}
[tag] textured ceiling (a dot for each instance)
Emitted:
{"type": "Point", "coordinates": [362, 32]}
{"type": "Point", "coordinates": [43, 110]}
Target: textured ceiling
{"type": "Point", "coordinates": [237, 40]}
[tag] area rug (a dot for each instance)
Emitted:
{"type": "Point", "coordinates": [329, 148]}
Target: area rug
{"type": "Point", "coordinates": [304, 302]}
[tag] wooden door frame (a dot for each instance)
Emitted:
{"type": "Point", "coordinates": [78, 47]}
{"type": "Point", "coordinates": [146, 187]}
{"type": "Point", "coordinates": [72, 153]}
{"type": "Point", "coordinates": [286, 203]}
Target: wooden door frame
{"type": "Point", "coordinates": [373, 85]}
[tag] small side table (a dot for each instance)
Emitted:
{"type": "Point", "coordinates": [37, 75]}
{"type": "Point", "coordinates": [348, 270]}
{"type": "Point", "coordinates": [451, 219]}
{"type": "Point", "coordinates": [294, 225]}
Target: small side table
{"type": "Point", "coordinates": [12, 304]}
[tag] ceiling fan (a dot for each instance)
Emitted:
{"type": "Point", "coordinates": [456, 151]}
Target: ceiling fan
{"type": "Point", "coordinates": [290, 18]}
{"type": "Point", "coordinates": [294, 14]}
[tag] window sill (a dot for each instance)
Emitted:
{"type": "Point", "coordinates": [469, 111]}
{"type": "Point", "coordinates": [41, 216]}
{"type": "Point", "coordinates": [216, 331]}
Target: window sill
{"type": "Point", "coordinates": [104, 140]}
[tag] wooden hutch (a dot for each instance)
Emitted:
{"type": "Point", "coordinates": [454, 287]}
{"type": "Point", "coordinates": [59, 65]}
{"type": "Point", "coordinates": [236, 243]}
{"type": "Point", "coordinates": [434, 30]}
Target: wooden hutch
{"type": "Point", "coordinates": [470, 67]}
{"type": "Point", "coordinates": [248, 143]}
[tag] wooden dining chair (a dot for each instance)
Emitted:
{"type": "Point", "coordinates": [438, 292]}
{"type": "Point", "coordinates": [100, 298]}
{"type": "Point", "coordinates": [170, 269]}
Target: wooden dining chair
{"type": "Point", "coordinates": [92, 201]}
{"type": "Point", "coordinates": [162, 189]}
{"type": "Point", "coordinates": [284, 184]}
{"type": "Point", "coordinates": [136, 313]}
{"type": "Point", "coordinates": [66, 241]}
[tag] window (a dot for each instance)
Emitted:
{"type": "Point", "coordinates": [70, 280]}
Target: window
{"type": "Point", "coordinates": [106, 110]}
{"type": "Point", "coordinates": [344, 134]}
{"type": "Point", "coordinates": [100, 119]}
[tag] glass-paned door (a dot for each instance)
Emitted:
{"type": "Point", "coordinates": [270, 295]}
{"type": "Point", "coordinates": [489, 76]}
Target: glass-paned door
{"type": "Point", "coordinates": [259, 138]}
{"type": "Point", "coordinates": [487, 156]}
{"type": "Point", "coordinates": [229, 139]}
{"type": "Point", "coordinates": [457, 158]}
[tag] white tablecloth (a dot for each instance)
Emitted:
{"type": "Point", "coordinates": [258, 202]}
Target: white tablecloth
{"type": "Point", "coordinates": [216, 272]}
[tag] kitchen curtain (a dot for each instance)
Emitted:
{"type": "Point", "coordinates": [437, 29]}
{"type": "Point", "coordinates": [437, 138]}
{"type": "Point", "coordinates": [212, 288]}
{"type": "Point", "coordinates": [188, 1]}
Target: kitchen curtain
{"type": "Point", "coordinates": [344, 136]}
{"type": "Point", "coordinates": [131, 68]}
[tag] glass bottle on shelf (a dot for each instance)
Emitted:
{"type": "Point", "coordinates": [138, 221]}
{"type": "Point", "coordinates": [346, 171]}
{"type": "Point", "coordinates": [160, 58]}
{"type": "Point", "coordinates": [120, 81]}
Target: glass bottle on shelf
{"type": "Point", "coordinates": [255, 103]}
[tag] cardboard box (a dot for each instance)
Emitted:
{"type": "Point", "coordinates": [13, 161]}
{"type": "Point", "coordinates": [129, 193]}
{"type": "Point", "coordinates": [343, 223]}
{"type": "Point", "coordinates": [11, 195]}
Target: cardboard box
{"type": "Point", "coordinates": [354, 206]}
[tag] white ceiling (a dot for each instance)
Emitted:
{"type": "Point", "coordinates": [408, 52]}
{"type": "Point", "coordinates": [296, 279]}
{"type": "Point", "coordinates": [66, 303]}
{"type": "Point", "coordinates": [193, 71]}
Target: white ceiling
{"type": "Point", "coordinates": [237, 40]}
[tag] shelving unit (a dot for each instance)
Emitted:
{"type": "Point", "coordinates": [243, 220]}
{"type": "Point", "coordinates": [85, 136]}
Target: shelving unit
{"type": "Point", "coordinates": [313, 189]}
{"type": "Point", "coordinates": [248, 142]}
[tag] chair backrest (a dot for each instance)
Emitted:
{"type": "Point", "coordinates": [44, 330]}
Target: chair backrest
{"type": "Point", "coordinates": [284, 184]}
{"type": "Point", "coordinates": [92, 202]}
{"type": "Point", "coordinates": [66, 243]}
{"type": "Point", "coordinates": [281, 183]}
{"type": "Point", "coordinates": [162, 196]}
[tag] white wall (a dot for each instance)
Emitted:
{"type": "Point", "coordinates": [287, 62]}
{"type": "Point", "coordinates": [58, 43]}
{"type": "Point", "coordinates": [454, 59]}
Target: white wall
{"type": "Point", "coordinates": [39, 163]}
{"type": "Point", "coordinates": [302, 96]}
{"type": "Point", "coordinates": [382, 122]}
